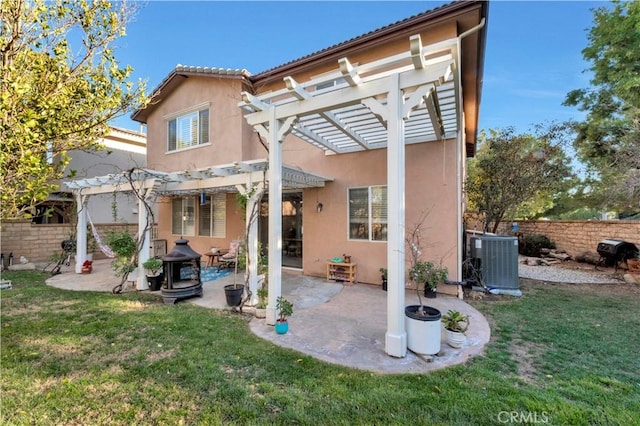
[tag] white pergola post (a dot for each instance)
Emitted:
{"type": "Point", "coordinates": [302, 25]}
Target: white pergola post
{"type": "Point", "coordinates": [144, 232]}
{"type": "Point", "coordinates": [81, 232]}
{"type": "Point", "coordinates": [252, 251]}
{"type": "Point", "coordinates": [396, 337]}
{"type": "Point", "coordinates": [252, 215]}
{"type": "Point", "coordinates": [275, 216]}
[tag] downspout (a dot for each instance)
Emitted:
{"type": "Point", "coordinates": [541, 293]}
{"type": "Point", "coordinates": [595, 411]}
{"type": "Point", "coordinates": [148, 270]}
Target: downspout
{"type": "Point", "coordinates": [472, 30]}
{"type": "Point", "coordinates": [459, 154]}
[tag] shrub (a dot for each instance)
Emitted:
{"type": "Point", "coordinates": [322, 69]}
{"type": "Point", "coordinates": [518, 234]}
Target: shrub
{"type": "Point", "coordinates": [124, 246]}
{"type": "Point", "coordinates": [122, 243]}
{"type": "Point", "coordinates": [532, 244]}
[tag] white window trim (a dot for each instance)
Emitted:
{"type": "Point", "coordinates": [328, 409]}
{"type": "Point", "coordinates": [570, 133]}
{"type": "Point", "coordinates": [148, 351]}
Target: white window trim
{"type": "Point", "coordinates": [185, 111]}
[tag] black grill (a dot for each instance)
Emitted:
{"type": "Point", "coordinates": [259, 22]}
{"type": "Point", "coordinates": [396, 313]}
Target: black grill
{"type": "Point", "coordinates": [613, 250]}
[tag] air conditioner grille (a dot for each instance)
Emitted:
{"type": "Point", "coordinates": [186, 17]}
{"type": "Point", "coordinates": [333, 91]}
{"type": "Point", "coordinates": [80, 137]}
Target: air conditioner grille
{"type": "Point", "coordinates": [499, 260]}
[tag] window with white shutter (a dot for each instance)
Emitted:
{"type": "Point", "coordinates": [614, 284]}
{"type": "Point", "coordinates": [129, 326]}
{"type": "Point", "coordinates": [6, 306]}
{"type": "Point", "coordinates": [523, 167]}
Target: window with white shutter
{"type": "Point", "coordinates": [188, 130]}
{"type": "Point", "coordinates": [183, 216]}
{"type": "Point", "coordinates": [212, 216]}
{"type": "Point", "coordinates": [368, 213]}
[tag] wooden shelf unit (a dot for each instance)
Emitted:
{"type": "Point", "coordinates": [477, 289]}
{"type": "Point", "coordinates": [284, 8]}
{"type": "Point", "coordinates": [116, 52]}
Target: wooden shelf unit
{"type": "Point", "coordinates": [345, 272]}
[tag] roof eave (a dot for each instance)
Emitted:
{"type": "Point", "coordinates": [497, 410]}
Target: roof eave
{"type": "Point", "coordinates": [174, 79]}
{"type": "Point", "coordinates": [396, 30]}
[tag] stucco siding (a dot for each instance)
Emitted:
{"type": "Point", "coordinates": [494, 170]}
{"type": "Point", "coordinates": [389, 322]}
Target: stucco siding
{"type": "Point", "coordinates": [226, 125]}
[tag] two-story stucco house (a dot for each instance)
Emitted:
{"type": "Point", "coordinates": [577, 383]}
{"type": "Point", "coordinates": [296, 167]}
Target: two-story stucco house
{"type": "Point", "coordinates": [353, 145]}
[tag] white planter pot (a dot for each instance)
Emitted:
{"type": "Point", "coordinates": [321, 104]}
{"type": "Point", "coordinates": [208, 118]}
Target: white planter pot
{"type": "Point", "coordinates": [455, 339]}
{"type": "Point", "coordinates": [261, 313]}
{"type": "Point", "coordinates": [423, 333]}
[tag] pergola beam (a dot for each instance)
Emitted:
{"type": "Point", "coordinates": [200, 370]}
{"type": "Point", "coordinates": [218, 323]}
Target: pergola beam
{"type": "Point", "coordinates": [434, 113]}
{"type": "Point", "coordinates": [350, 75]}
{"type": "Point", "coordinates": [415, 44]}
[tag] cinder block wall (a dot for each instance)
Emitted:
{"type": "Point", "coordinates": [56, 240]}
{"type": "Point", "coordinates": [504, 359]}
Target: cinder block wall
{"type": "Point", "coordinates": [38, 242]}
{"type": "Point", "coordinates": [577, 236]}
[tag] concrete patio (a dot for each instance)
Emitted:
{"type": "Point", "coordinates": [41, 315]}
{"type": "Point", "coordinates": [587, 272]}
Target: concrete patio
{"type": "Point", "coordinates": [340, 324]}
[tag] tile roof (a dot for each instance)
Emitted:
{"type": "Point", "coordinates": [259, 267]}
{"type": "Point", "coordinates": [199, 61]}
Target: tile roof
{"type": "Point", "coordinates": [211, 70]}
{"type": "Point", "coordinates": [360, 37]}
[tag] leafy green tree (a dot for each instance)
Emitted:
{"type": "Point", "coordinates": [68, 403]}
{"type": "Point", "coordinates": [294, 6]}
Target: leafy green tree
{"type": "Point", "coordinates": [60, 86]}
{"type": "Point", "coordinates": [609, 139]}
{"type": "Point", "coordinates": [516, 175]}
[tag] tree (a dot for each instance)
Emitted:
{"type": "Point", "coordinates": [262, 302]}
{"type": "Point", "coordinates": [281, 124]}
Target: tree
{"type": "Point", "coordinates": [609, 139]}
{"type": "Point", "coordinates": [513, 171]}
{"type": "Point", "coordinates": [60, 86]}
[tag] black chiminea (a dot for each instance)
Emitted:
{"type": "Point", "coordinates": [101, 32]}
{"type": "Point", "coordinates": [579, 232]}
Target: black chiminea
{"type": "Point", "coordinates": [182, 271]}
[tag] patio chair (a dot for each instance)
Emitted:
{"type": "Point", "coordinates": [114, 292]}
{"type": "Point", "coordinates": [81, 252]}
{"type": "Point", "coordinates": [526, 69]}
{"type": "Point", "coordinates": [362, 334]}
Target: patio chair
{"type": "Point", "coordinates": [229, 259]}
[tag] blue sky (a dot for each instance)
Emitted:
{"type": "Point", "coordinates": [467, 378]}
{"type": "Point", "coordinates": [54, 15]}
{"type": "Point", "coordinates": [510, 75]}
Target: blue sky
{"type": "Point", "coordinates": [533, 55]}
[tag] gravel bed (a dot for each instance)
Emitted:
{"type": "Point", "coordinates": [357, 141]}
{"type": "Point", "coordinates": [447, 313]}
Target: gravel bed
{"type": "Point", "coordinates": [566, 275]}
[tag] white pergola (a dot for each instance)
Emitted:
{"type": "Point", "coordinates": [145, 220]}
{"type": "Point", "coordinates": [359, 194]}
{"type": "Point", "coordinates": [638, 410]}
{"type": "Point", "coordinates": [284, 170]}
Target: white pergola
{"type": "Point", "coordinates": [411, 97]}
{"type": "Point", "coordinates": [246, 177]}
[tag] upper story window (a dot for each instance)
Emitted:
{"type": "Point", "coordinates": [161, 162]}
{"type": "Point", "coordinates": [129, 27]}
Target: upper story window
{"type": "Point", "coordinates": [368, 213]}
{"type": "Point", "coordinates": [188, 130]}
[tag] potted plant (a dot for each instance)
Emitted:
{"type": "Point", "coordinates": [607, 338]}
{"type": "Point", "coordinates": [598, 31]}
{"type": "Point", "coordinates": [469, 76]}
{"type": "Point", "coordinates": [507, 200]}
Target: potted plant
{"type": "Point", "coordinates": [87, 266]}
{"type": "Point", "coordinates": [428, 274]}
{"type": "Point", "coordinates": [284, 309]}
{"type": "Point", "coordinates": [234, 293]}
{"type": "Point", "coordinates": [153, 270]}
{"type": "Point", "coordinates": [261, 307]}
{"type": "Point", "coordinates": [383, 275]}
{"type": "Point", "coordinates": [455, 326]}
{"type": "Point", "coordinates": [422, 323]}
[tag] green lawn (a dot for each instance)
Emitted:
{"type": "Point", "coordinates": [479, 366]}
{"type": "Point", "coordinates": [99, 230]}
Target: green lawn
{"type": "Point", "coordinates": [558, 355]}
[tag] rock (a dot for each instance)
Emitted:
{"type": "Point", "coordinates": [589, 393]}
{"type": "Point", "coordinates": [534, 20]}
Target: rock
{"type": "Point", "coordinates": [23, 267]}
{"type": "Point", "coordinates": [535, 261]}
{"type": "Point", "coordinates": [632, 278]}
{"type": "Point", "coordinates": [588, 257]}
{"type": "Point", "coordinates": [559, 255]}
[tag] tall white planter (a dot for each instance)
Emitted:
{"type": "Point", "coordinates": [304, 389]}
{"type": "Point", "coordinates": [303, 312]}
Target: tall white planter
{"type": "Point", "coordinates": [423, 331]}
